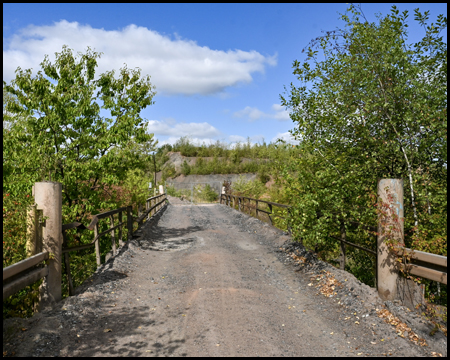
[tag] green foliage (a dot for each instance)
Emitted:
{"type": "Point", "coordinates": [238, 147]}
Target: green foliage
{"type": "Point", "coordinates": [205, 193]}
{"type": "Point", "coordinates": [375, 107]}
{"type": "Point", "coordinates": [53, 130]}
{"type": "Point", "coordinates": [136, 183]}
{"type": "Point", "coordinates": [168, 171]}
{"type": "Point", "coordinates": [250, 188]}
{"type": "Point", "coordinates": [185, 168]}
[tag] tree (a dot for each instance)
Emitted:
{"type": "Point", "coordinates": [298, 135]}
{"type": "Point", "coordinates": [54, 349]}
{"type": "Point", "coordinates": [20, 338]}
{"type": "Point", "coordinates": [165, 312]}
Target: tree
{"type": "Point", "coordinates": [376, 108]}
{"type": "Point", "coordinates": [64, 137]}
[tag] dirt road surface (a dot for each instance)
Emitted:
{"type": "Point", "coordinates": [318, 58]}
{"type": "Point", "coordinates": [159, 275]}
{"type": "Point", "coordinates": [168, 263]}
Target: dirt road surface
{"type": "Point", "coordinates": [203, 281]}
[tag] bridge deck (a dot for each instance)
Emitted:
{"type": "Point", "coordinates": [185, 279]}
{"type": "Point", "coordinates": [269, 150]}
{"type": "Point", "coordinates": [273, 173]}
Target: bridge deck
{"type": "Point", "coordinates": [206, 281]}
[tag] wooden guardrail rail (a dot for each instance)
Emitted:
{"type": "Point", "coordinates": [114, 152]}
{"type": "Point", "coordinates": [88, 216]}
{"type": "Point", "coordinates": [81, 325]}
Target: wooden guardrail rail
{"type": "Point", "coordinates": [426, 265]}
{"type": "Point", "coordinates": [241, 205]}
{"type": "Point", "coordinates": [24, 273]}
{"type": "Point", "coordinates": [30, 270]}
{"type": "Point", "coordinates": [423, 264]}
{"type": "Point", "coordinates": [151, 205]}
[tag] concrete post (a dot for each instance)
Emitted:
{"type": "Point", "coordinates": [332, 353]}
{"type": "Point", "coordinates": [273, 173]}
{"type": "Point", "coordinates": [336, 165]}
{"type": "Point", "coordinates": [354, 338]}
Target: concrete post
{"type": "Point", "coordinates": [390, 226]}
{"type": "Point", "coordinates": [31, 230]}
{"type": "Point", "coordinates": [161, 189]}
{"type": "Point", "coordinates": [48, 197]}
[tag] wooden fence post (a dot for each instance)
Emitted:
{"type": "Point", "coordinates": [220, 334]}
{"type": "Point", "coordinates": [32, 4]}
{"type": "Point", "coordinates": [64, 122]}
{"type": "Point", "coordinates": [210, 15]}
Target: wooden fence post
{"type": "Point", "coordinates": [48, 197]}
{"type": "Point", "coordinates": [342, 255]}
{"type": "Point", "coordinates": [239, 203]}
{"type": "Point", "coordinates": [130, 222]}
{"type": "Point", "coordinates": [390, 226]}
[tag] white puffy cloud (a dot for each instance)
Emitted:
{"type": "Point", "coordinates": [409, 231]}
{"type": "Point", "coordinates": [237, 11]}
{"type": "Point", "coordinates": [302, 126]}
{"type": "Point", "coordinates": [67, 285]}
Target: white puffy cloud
{"type": "Point", "coordinates": [237, 138]}
{"type": "Point", "coordinates": [170, 128]}
{"type": "Point", "coordinates": [176, 66]}
{"type": "Point", "coordinates": [253, 113]}
{"type": "Point", "coordinates": [281, 113]}
{"type": "Point", "coordinates": [250, 112]}
{"type": "Point", "coordinates": [173, 139]}
{"type": "Point", "coordinates": [286, 136]}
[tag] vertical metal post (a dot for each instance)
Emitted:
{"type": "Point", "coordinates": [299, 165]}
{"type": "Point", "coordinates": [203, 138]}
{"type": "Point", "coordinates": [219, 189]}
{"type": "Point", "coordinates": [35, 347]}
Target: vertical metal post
{"type": "Point", "coordinates": [67, 265]}
{"type": "Point", "coordinates": [270, 218]}
{"type": "Point", "coordinates": [48, 197]}
{"type": "Point", "coordinates": [130, 222]}
{"type": "Point", "coordinates": [390, 227]}
{"type": "Point", "coordinates": [120, 230]}
{"type": "Point", "coordinates": [113, 237]}
{"type": "Point", "coordinates": [256, 208]}
{"type": "Point", "coordinates": [192, 193]}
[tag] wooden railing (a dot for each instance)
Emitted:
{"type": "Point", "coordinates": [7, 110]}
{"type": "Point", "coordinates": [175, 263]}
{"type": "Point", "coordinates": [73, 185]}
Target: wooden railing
{"type": "Point", "coordinates": [426, 265]}
{"type": "Point", "coordinates": [151, 205]}
{"type": "Point", "coordinates": [26, 272]}
{"type": "Point", "coordinates": [423, 264]}
{"type": "Point", "coordinates": [227, 198]}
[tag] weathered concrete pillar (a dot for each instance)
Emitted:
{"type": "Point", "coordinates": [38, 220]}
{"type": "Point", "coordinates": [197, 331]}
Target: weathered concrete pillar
{"type": "Point", "coordinates": [48, 197]}
{"type": "Point", "coordinates": [161, 189]}
{"type": "Point", "coordinates": [31, 230]}
{"type": "Point", "coordinates": [390, 226]}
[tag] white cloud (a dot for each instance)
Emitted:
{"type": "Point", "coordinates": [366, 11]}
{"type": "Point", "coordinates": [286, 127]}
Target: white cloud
{"type": "Point", "coordinates": [286, 136]}
{"type": "Point", "coordinates": [170, 128]}
{"type": "Point", "coordinates": [281, 113]}
{"type": "Point", "coordinates": [253, 113]}
{"type": "Point", "coordinates": [173, 139]}
{"type": "Point", "coordinates": [237, 138]}
{"type": "Point", "coordinates": [176, 66]}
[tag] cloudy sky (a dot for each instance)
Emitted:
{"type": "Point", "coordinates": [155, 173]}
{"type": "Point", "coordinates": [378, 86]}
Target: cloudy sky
{"type": "Point", "coordinates": [219, 69]}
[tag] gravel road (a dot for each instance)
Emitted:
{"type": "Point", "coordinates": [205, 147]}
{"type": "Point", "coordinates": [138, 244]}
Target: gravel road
{"type": "Point", "coordinates": [205, 281]}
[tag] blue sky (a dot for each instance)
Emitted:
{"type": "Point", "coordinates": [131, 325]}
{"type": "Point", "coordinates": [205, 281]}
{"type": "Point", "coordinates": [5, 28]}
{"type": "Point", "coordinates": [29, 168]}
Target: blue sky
{"type": "Point", "coordinates": [218, 68]}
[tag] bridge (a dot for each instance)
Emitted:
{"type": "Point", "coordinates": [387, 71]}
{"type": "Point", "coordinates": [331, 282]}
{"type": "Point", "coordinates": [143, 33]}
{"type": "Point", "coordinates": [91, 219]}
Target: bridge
{"type": "Point", "coordinates": [208, 280]}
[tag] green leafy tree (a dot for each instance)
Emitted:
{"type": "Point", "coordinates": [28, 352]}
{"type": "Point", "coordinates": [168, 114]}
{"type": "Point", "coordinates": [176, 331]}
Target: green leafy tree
{"type": "Point", "coordinates": [53, 129]}
{"type": "Point", "coordinates": [65, 138]}
{"type": "Point", "coordinates": [374, 106]}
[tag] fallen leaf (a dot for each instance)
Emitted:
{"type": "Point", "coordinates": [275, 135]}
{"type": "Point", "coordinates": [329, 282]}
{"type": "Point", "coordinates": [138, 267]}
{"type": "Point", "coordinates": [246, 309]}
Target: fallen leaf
{"type": "Point", "coordinates": [183, 315]}
{"type": "Point", "coordinates": [356, 322]}
{"type": "Point", "coordinates": [107, 330]}
{"type": "Point", "coordinates": [217, 344]}
{"type": "Point", "coordinates": [24, 329]}
{"type": "Point", "coordinates": [359, 354]}
{"type": "Point", "coordinates": [373, 342]}
{"type": "Point", "coordinates": [310, 284]}
{"type": "Point", "coordinates": [382, 340]}
{"type": "Point", "coordinates": [331, 333]}
{"type": "Point", "coordinates": [148, 350]}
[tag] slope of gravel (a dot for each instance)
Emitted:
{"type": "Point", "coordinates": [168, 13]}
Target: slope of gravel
{"type": "Point", "coordinates": [210, 281]}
